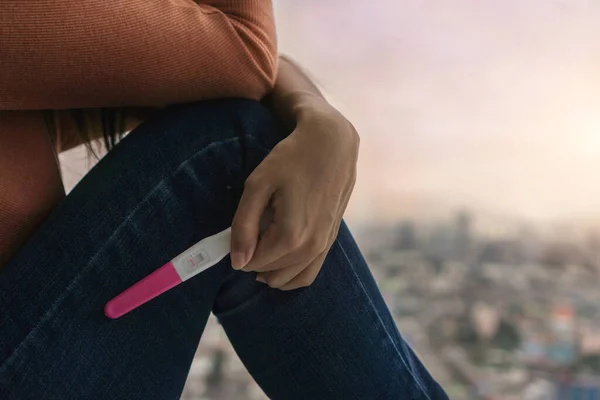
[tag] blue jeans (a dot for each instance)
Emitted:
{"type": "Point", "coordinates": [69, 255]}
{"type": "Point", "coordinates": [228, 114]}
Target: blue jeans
{"type": "Point", "coordinates": [174, 180]}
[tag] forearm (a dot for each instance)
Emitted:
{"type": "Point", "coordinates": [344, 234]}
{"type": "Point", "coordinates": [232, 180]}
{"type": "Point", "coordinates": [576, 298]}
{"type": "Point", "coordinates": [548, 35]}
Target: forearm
{"type": "Point", "coordinates": [294, 94]}
{"type": "Point", "coordinates": [86, 54]}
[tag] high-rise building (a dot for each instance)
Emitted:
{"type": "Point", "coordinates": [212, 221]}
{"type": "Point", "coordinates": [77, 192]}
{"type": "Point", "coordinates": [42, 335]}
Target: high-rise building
{"type": "Point", "coordinates": [406, 237]}
{"type": "Point", "coordinates": [462, 235]}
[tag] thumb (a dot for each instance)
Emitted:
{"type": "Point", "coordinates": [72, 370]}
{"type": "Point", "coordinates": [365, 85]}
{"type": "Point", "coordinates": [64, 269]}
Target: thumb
{"type": "Point", "coordinates": [246, 225]}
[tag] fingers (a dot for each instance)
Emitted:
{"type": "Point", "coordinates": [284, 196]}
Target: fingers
{"type": "Point", "coordinates": [308, 275]}
{"type": "Point", "coordinates": [293, 277]}
{"type": "Point", "coordinates": [246, 222]}
{"type": "Point", "coordinates": [284, 236]}
{"type": "Point", "coordinates": [282, 247]}
{"type": "Point", "coordinates": [287, 260]}
{"type": "Point", "coordinates": [278, 278]}
{"type": "Point", "coordinates": [289, 277]}
{"type": "Point", "coordinates": [300, 274]}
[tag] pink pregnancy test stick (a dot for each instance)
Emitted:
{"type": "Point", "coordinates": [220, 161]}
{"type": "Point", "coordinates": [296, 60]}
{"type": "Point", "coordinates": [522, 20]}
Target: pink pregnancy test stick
{"type": "Point", "coordinates": [198, 258]}
{"type": "Point", "coordinates": [201, 256]}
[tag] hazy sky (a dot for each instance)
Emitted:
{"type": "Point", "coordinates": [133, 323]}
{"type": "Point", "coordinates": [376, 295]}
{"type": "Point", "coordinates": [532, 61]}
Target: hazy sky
{"type": "Point", "coordinates": [490, 104]}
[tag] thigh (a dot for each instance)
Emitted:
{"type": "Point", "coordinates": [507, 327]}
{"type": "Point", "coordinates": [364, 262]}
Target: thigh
{"type": "Point", "coordinates": [171, 182]}
{"type": "Point", "coordinates": [335, 339]}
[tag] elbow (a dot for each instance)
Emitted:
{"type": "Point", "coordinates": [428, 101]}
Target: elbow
{"type": "Point", "coordinates": [269, 74]}
{"type": "Point", "coordinates": [261, 73]}
{"type": "Point", "coordinates": [258, 58]}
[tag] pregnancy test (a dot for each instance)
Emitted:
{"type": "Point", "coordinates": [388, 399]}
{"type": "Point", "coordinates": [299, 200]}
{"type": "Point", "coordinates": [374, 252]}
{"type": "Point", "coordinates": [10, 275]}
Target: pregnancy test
{"type": "Point", "coordinates": [198, 258]}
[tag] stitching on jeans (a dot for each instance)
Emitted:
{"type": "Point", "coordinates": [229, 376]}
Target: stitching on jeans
{"type": "Point", "coordinates": [83, 270]}
{"type": "Point", "coordinates": [381, 321]}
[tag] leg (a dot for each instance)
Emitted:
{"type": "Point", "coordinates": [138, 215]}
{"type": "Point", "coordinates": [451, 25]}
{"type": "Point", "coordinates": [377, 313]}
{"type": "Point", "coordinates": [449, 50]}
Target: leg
{"type": "Point", "coordinates": [335, 339]}
{"type": "Point", "coordinates": [173, 181]}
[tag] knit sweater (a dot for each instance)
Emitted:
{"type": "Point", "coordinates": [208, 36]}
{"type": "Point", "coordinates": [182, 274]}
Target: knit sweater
{"type": "Point", "coordinates": [61, 54]}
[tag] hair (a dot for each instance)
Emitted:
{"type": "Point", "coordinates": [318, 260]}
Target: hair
{"type": "Point", "coordinates": [107, 123]}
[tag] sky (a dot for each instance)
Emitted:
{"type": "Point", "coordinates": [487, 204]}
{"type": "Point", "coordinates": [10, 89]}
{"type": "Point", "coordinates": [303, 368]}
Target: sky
{"type": "Point", "coordinates": [484, 104]}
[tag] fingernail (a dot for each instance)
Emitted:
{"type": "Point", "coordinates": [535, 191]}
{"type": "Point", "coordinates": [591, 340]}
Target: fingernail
{"type": "Point", "coordinates": [260, 279]}
{"type": "Point", "coordinates": [238, 260]}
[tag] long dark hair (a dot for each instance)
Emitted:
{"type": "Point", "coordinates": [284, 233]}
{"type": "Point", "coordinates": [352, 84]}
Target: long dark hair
{"type": "Point", "coordinates": [107, 123]}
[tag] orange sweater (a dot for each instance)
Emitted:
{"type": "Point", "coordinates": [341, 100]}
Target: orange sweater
{"type": "Point", "coordinates": [60, 54]}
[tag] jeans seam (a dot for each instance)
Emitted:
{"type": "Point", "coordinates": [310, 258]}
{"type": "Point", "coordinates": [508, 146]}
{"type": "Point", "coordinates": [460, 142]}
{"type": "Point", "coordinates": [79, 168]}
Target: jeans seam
{"type": "Point", "coordinates": [382, 323]}
{"type": "Point", "coordinates": [52, 310]}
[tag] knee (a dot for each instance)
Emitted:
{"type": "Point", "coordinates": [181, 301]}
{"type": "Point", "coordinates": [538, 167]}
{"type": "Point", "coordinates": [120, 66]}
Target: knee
{"type": "Point", "coordinates": [178, 132]}
{"type": "Point", "coordinates": [223, 116]}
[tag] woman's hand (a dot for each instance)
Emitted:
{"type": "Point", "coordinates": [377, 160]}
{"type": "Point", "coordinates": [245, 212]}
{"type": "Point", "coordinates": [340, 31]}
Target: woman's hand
{"type": "Point", "coordinates": [306, 180]}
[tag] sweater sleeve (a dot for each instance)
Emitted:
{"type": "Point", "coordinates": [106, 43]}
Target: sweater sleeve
{"type": "Point", "coordinates": [87, 53]}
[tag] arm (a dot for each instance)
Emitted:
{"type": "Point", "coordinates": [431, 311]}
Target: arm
{"type": "Point", "coordinates": [306, 180]}
{"type": "Point", "coordinates": [86, 54]}
{"type": "Point", "coordinates": [293, 94]}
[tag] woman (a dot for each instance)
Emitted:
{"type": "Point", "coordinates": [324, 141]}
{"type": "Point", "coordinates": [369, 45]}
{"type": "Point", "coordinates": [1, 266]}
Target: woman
{"type": "Point", "coordinates": [186, 172]}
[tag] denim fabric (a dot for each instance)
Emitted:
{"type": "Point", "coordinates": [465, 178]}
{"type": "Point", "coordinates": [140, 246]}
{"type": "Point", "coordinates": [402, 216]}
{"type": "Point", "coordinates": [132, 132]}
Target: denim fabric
{"type": "Point", "coordinates": [173, 181]}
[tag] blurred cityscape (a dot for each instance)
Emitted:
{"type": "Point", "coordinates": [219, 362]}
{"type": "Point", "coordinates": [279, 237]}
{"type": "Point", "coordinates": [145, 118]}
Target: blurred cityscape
{"type": "Point", "coordinates": [491, 318]}
{"type": "Point", "coordinates": [496, 318]}
{"type": "Point", "coordinates": [217, 372]}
